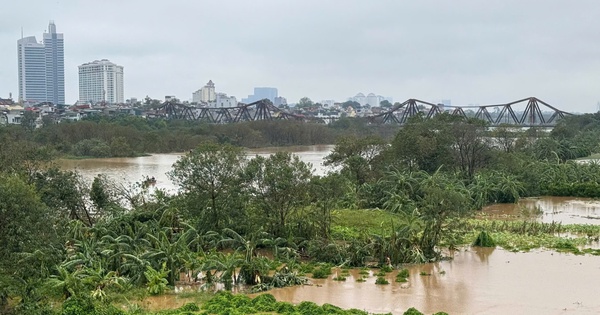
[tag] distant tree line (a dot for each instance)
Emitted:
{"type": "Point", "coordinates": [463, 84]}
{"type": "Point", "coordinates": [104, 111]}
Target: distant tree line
{"type": "Point", "coordinates": [122, 136]}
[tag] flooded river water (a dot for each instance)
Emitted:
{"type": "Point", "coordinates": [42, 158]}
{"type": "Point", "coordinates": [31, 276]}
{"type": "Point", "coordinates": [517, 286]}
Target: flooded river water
{"type": "Point", "coordinates": [132, 170]}
{"type": "Point", "coordinates": [567, 210]}
{"type": "Point", "coordinates": [475, 281]}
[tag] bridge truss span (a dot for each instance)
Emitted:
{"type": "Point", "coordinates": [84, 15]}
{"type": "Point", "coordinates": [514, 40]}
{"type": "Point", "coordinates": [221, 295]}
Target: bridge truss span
{"type": "Point", "coordinates": [262, 110]}
{"type": "Point", "coordinates": [536, 113]}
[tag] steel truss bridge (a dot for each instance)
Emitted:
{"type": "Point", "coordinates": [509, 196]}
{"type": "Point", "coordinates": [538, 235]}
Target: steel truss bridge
{"type": "Point", "coordinates": [493, 115]}
{"type": "Point", "coordinates": [260, 110]}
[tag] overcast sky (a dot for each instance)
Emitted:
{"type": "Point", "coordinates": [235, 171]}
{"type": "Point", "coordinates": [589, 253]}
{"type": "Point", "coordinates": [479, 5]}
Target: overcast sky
{"type": "Point", "coordinates": [468, 51]}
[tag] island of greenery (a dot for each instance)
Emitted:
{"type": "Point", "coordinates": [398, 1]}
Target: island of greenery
{"type": "Point", "coordinates": [72, 248]}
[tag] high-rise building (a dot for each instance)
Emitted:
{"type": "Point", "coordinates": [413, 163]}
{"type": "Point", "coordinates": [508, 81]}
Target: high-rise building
{"type": "Point", "coordinates": [32, 70]}
{"type": "Point", "coordinates": [260, 93]}
{"type": "Point", "coordinates": [55, 65]}
{"type": "Point", "coordinates": [42, 68]}
{"type": "Point", "coordinates": [101, 81]}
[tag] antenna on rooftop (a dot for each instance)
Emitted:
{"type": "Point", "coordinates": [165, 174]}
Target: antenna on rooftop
{"type": "Point", "coordinates": [21, 32]}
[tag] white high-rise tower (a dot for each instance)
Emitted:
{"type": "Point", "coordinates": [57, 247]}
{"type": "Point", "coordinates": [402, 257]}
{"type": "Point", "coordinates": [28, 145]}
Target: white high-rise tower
{"type": "Point", "coordinates": [101, 81]}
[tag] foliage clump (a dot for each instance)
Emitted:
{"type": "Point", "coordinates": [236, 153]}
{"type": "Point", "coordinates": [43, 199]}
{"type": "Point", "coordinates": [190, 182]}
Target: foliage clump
{"type": "Point", "coordinates": [484, 239]}
{"type": "Point", "coordinates": [321, 272]}
{"type": "Point", "coordinates": [412, 311]}
{"type": "Point", "coordinates": [227, 303]}
{"type": "Point", "coordinates": [381, 280]}
{"type": "Point", "coordinates": [402, 275]}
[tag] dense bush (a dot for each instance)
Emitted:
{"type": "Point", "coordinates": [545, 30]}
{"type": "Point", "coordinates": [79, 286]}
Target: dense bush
{"type": "Point", "coordinates": [484, 240]}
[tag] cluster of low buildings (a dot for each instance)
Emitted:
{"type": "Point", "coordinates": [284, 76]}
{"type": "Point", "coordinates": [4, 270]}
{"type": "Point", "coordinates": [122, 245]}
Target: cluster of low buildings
{"type": "Point", "coordinates": [12, 112]}
{"type": "Point", "coordinates": [41, 77]}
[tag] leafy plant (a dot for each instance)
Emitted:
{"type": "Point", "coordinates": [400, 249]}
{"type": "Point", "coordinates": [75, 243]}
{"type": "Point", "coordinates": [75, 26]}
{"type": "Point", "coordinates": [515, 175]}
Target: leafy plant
{"type": "Point", "coordinates": [381, 280]}
{"type": "Point", "coordinates": [157, 280]}
{"type": "Point", "coordinates": [484, 240]}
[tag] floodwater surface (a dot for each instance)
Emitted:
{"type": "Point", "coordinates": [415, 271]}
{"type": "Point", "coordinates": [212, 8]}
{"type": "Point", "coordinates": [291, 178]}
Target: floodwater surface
{"type": "Point", "coordinates": [567, 210]}
{"type": "Point", "coordinates": [128, 171]}
{"type": "Point", "coordinates": [476, 281]}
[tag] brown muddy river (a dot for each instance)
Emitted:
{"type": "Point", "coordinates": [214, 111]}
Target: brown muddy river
{"type": "Point", "coordinates": [567, 210]}
{"type": "Point", "coordinates": [128, 171]}
{"type": "Point", "coordinates": [476, 281]}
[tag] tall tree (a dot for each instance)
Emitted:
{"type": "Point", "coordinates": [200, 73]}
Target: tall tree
{"type": "Point", "coordinates": [208, 177]}
{"type": "Point", "coordinates": [356, 156]}
{"type": "Point", "coordinates": [278, 185]}
{"type": "Point", "coordinates": [305, 102]}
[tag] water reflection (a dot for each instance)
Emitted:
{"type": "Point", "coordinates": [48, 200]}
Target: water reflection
{"type": "Point", "coordinates": [483, 253]}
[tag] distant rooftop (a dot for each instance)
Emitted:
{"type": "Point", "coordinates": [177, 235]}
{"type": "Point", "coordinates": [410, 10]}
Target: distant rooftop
{"type": "Point", "coordinates": [99, 62]}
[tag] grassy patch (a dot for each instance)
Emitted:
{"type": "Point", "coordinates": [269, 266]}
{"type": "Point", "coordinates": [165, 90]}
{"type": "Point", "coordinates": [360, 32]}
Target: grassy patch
{"type": "Point", "coordinates": [321, 272]}
{"type": "Point", "coordinates": [350, 224]}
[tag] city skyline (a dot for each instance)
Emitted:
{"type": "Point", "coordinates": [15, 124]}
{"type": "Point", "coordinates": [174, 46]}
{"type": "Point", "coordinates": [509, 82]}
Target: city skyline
{"type": "Point", "coordinates": [466, 51]}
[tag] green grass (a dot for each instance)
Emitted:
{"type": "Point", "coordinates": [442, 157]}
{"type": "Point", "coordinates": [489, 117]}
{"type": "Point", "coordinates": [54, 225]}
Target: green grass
{"type": "Point", "coordinates": [349, 224]}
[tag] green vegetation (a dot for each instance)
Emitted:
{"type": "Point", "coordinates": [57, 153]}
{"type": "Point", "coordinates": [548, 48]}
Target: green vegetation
{"type": "Point", "coordinates": [381, 280]}
{"type": "Point", "coordinates": [402, 275]}
{"type": "Point", "coordinates": [126, 135]}
{"type": "Point", "coordinates": [235, 222]}
{"type": "Point", "coordinates": [484, 240]}
{"type": "Point", "coordinates": [321, 272]}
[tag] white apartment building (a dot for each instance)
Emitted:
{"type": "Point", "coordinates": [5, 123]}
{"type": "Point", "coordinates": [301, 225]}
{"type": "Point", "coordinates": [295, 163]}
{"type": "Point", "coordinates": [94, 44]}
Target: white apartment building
{"type": "Point", "coordinates": [101, 81]}
{"type": "Point", "coordinates": [206, 94]}
{"type": "Point", "coordinates": [225, 101]}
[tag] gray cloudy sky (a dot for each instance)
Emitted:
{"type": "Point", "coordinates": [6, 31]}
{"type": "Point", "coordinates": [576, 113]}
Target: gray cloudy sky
{"type": "Point", "coordinates": [469, 51]}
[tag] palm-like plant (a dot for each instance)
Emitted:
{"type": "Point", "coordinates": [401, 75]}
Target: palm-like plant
{"type": "Point", "coordinates": [66, 282]}
{"type": "Point", "coordinates": [101, 279]}
{"type": "Point", "coordinates": [226, 264]}
{"type": "Point", "coordinates": [246, 245]}
{"type": "Point", "coordinates": [134, 266]}
{"type": "Point", "coordinates": [85, 253]}
{"type": "Point", "coordinates": [115, 248]}
{"type": "Point", "coordinates": [157, 282]}
{"type": "Point", "coordinates": [172, 252]}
